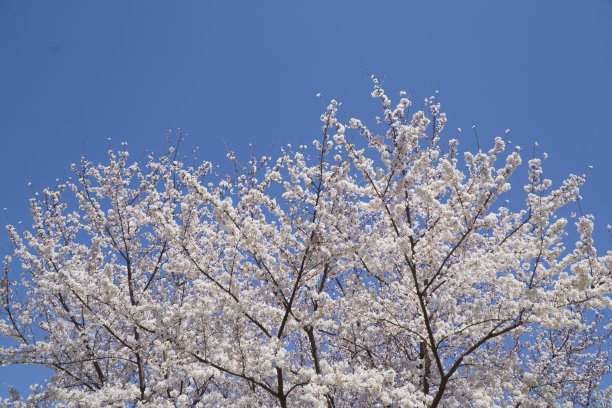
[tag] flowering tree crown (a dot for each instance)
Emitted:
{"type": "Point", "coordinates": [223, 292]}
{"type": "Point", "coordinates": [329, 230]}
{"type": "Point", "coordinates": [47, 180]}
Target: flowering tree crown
{"type": "Point", "coordinates": [370, 270]}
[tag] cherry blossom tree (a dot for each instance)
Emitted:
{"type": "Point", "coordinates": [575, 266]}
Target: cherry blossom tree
{"type": "Point", "coordinates": [369, 270]}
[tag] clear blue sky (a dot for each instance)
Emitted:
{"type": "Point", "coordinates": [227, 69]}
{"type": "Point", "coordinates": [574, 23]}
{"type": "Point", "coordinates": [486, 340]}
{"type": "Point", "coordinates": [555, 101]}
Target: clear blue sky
{"type": "Point", "coordinates": [74, 73]}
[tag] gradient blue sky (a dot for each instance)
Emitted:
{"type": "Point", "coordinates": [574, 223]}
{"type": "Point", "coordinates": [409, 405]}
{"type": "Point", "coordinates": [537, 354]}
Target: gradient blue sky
{"type": "Point", "coordinates": [75, 73]}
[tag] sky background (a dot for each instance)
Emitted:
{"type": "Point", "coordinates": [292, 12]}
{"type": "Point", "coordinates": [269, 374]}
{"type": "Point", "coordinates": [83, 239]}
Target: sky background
{"type": "Point", "coordinates": [229, 73]}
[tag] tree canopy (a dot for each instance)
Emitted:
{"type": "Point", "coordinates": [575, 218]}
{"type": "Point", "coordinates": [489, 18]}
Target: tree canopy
{"type": "Point", "coordinates": [366, 270]}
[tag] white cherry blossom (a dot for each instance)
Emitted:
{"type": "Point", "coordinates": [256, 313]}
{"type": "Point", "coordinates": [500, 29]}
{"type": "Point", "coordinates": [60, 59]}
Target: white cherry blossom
{"type": "Point", "coordinates": [369, 270]}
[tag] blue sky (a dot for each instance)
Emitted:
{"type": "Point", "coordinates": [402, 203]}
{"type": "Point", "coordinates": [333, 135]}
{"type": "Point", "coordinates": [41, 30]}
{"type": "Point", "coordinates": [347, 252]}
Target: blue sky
{"type": "Point", "coordinates": [75, 73]}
